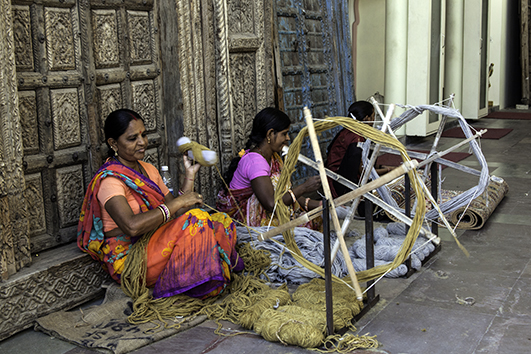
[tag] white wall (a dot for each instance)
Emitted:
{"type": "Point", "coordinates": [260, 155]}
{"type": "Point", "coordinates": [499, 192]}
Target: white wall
{"type": "Point", "coordinates": [369, 44]}
{"type": "Point", "coordinates": [368, 21]}
{"type": "Point", "coordinates": [497, 46]}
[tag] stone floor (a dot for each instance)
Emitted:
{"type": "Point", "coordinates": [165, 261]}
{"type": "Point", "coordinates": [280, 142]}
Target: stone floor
{"type": "Point", "coordinates": [419, 314]}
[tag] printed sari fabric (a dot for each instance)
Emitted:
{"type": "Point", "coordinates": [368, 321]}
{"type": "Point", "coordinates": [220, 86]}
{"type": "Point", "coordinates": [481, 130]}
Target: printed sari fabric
{"type": "Point", "coordinates": [243, 205]}
{"type": "Point", "coordinates": [192, 254]}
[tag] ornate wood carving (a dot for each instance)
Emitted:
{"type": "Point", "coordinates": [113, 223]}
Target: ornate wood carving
{"type": "Point", "coordinates": [110, 99]}
{"type": "Point", "coordinates": [144, 102]}
{"type": "Point", "coordinates": [139, 39]}
{"type": "Point", "coordinates": [70, 193]}
{"type": "Point", "coordinates": [65, 113]}
{"type": "Point", "coordinates": [34, 201]}
{"type": "Point", "coordinates": [315, 73]}
{"type": "Point", "coordinates": [244, 60]}
{"type": "Point", "coordinates": [14, 252]}
{"type": "Point", "coordinates": [62, 281]}
{"type": "Point", "coordinates": [105, 27]}
{"type": "Point", "coordinates": [60, 38]}
{"type": "Point", "coordinates": [28, 119]}
{"type": "Point", "coordinates": [22, 33]}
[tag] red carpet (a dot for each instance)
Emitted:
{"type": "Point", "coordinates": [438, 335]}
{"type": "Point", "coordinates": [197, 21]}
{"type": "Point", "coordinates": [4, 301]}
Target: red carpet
{"type": "Point", "coordinates": [492, 133]}
{"type": "Point", "coordinates": [395, 160]}
{"type": "Point", "coordinates": [509, 115]}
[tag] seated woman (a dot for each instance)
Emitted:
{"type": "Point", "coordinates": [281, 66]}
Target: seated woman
{"type": "Point", "coordinates": [344, 152]}
{"type": "Point", "coordinates": [189, 251]}
{"type": "Point", "coordinates": [253, 176]}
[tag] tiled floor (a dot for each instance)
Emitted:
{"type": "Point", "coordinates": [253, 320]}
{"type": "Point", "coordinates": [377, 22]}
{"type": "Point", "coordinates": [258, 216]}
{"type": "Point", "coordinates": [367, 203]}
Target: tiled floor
{"type": "Point", "coordinates": [423, 313]}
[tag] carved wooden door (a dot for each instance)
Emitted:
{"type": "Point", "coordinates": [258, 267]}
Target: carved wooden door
{"type": "Point", "coordinates": [76, 62]}
{"type": "Point", "coordinates": [314, 51]}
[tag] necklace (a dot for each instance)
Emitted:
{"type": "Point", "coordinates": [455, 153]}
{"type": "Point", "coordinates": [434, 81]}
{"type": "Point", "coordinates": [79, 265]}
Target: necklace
{"type": "Point", "coordinates": [139, 168]}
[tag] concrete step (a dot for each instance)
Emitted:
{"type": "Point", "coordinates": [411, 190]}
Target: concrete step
{"type": "Point", "coordinates": [58, 279]}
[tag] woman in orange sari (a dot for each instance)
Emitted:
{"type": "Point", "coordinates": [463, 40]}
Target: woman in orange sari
{"type": "Point", "coordinates": [253, 176]}
{"type": "Point", "coordinates": [189, 251]}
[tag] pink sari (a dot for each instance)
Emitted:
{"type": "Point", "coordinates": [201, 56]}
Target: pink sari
{"type": "Point", "coordinates": [243, 205]}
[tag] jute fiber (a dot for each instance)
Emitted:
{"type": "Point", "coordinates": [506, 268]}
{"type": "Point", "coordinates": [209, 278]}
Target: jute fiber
{"type": "Point", "coordinates": [377, 137]}
{"type": "Point", "coordinates": [303, 323]}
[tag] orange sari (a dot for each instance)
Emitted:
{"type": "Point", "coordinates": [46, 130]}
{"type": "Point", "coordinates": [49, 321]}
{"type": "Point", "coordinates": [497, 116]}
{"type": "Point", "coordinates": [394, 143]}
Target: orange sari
{"type": "Point", "coordinates": [192, 254]}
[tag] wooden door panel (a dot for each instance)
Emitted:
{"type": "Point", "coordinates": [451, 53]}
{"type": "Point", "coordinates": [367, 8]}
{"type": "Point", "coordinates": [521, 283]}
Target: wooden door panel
{"type": "Point", "coordinates": [51, 105]}
{"type": "Point", "coordinates": [311, 63]}
{"type": "Point", "coordinates": [70, 56]}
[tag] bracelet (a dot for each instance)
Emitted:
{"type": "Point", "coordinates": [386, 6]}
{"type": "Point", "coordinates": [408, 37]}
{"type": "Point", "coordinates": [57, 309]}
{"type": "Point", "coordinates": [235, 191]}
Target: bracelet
{"type": "Point", "coordinates": [292, 196]}
{"type": "Point", "coordinates": [165, 211]}
{"type": "Point", "coordinates": [189, 179]}
{"type": "Point", "coordinates": [163, 214]}
{"type": "Point", "coordinates": [180, 192]}
{"type": "Point", "coordinates": [306, 203]}
{"type": "Point", "coordinates": [320, 203]}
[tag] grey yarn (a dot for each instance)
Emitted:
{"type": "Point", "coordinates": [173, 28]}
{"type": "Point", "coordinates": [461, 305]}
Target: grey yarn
{"type": "Point", "coordinates": [361, 264]}
{"type": "Point", "coordinates": [460, 200]}
{"type": "Point", "coordinates": [380, 232]}
{"type": "Point", "coordinates": [397, 228]}
{"type": "Point", "coordinates": [284, 267]}
{"type": "Point", "coordinates": [416, 262]}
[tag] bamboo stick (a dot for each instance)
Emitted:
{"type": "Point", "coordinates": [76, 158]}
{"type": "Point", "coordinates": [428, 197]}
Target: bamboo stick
{"type": "Point", "coordinates": [377, 201]}
{"type": "Point", "coordinates": [328, 194]}
{"type": "Point", "coordinates": [366, 188]}
{"type": "Point", "coordinates": [366, 172]}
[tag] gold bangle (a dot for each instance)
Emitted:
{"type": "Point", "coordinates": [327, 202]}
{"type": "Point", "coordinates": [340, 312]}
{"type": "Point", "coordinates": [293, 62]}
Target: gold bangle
{"type": "Point", "coordinates": [306, 203]}
{"type": "Point", "coordinates": [166, 211]}
{"type": "Point", "coordinates": [163, 214]}
{"type": "Point", "coordinates": [292, 196]}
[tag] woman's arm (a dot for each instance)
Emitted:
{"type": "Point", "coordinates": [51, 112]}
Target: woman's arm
{"type": "Point", "coordinates": [138, 224]}
{"type": "Point", "coordinates": [263, 188]}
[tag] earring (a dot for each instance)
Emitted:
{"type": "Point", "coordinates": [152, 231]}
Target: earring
{"type": "Point", "coordinates": [268, 140]}
{"type": "Point", "coordinates": [115, 152]}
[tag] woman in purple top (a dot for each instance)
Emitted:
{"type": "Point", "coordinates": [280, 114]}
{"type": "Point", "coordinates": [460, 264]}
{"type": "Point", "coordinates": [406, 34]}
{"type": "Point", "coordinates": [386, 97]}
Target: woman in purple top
{"type": "Point", "coordinates": [253, 176]}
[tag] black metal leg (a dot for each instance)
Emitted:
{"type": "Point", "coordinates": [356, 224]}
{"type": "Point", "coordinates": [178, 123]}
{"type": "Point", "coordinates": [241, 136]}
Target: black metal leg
{"type": "Point", "coordinates": [328, 268]}
{"type": "Point", "coordinates": [407, 195]}
{"type": "Point", "coordinates": [369, 245]}
{"type": "Point", "coordinates": [434, 192]}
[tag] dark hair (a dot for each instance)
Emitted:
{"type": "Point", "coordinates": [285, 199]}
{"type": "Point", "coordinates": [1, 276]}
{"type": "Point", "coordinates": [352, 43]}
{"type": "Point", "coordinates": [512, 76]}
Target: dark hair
{"type": "Point", "coordinates": [268, 118]}
{"type": "Point", "coordinates": [360, 109]}
{"type": "Point", "coordinates": [117, 123]}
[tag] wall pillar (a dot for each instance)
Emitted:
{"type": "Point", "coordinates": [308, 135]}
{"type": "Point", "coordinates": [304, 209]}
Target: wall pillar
{"type": "Point", "coordinates": [453, 77]}
{"type": "Point", "coordinates": [14, 241]}
{"type": "Point", "coordinates": [396, 27]}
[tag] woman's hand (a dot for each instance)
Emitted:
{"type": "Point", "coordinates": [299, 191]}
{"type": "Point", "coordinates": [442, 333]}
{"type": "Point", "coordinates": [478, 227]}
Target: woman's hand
{"type": "Point", "coordinates": [188, 199]}
{"type": "Point", "coordinates": [311, 184]}
{"type": "Point", "coordinates": [191, 169]}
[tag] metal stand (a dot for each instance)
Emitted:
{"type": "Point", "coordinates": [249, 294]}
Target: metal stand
{"type": "Point", "coordinates": [434, 227]}
{"type": "Point", "coordinates": [372, 299]}
{"type": "Point", "coordinates": [328, 268]}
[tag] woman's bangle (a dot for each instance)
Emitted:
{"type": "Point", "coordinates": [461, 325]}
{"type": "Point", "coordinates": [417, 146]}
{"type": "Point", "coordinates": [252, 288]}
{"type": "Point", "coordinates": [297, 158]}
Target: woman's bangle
{"type": "Point", "coordinates": [292, 196]}
{"type": "Point", "coordinates": [190, 179]}
{"type": "Point", "coordinates": [306, 203]}
{"type": "Point", "coordinates": [180, 192]}
{"type": "Point", "coordinates": [165, 212]}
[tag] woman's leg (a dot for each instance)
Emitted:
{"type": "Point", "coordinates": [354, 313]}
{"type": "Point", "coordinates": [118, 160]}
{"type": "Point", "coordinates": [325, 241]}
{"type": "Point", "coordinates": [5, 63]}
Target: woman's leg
{"type": "Point", "coordinates": [190, 255]}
